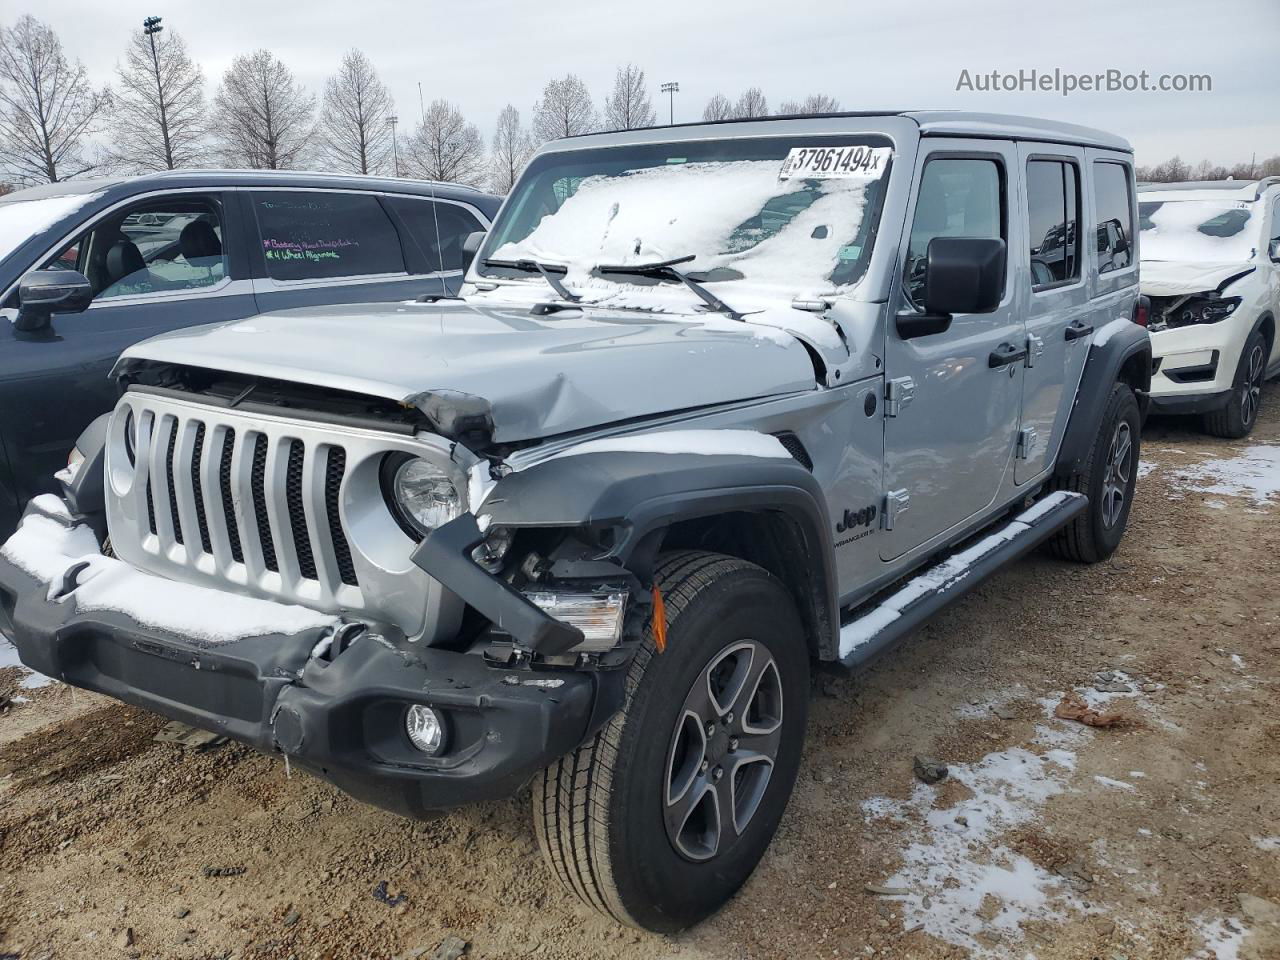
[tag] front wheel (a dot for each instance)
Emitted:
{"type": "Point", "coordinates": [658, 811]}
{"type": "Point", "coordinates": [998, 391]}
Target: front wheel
{"type": "Point", "coordinates": [1108, 479]}
{"type": "Point", "coordinates": [663, 815]}
{"type": "Point", "coordinates": [1237, 418]}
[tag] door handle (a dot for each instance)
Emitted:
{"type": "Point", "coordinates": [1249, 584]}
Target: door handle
{"type": "Point", "coordinates": [1006, 354]}
{"type": "Point", "coordinates": [1076, 330]}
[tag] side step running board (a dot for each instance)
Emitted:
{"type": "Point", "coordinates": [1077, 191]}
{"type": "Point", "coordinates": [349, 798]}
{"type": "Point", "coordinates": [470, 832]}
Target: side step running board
{"type": "Point", "coordinates": [866, 635]}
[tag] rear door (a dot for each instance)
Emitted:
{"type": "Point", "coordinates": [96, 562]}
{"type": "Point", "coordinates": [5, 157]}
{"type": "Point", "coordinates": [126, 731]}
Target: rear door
{"type": "Point", "coordinates": [949, 444]}
{"type": "Point", "coordinates": [1056, 296]}
{"type": "Point", "coordinates": [155, 264]}
{"type": "Point", "coordinates": [320, 247]}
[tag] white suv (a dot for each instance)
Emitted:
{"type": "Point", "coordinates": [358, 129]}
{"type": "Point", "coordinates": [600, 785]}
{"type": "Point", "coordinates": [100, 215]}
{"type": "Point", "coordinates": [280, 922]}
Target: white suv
{"type": "Point", "coordinates": [1211, 266]}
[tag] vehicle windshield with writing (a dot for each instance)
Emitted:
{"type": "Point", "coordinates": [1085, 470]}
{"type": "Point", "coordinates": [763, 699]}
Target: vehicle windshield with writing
{"type": "Point", "coordinates": [713, 404]}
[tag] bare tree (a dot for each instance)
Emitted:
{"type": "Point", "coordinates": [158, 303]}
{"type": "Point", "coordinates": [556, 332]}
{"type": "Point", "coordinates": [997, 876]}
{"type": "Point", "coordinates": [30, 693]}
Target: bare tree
{"type": "Point", "coordinates": [158, 114]}
{"type": "Point", "coordinates": [511, 150]}
{"type": "Point", "coordinates": [445, 147]}
{"type": "Point", "coordinates": [718, 108]}
{"type": "Point", "coordinates": [629, 106]}
{"type": "Point", "coordinates": [752, 103]}
{"type": "Point", "coordinates": [263, 118]}
{"type": "Point", "coordinates": [565, 110]}
{"type": "Point", "coordinates": [815, 103]}
{"type": "Point", "coordinates": [48, 110]}
{"type": "Point", "coordinates": [354, 131]}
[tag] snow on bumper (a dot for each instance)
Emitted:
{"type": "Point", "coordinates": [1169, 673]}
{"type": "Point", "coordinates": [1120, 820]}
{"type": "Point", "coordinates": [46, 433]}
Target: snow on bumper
{"type": "Point", "coordinates": [49, 545]}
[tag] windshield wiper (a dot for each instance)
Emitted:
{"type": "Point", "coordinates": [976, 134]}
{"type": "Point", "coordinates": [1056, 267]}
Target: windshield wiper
{"type": "Point", "coordinates": [666, 270]}
{"type": "Point", "coordinates": [533, 266]}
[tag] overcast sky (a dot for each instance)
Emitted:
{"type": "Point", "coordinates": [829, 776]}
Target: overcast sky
{"type": "Point", "coordinates": [483, 54]}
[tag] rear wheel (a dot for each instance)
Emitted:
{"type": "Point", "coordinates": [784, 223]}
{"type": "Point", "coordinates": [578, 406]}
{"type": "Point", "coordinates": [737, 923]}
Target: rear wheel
{"type": "Point", "coordinates": [1237, 418]}
{"type": "Point", "coordinates": [663, 815]}
{"type": "Point", "coordinates": [1108, 478]}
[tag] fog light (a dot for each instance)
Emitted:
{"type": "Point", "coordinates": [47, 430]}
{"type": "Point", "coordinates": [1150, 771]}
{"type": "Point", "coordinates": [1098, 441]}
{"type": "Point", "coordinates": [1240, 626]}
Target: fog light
{"type": "Point", "coordinates": [425, 729]}
{"type": "Point", "coordinates": [597, 615]}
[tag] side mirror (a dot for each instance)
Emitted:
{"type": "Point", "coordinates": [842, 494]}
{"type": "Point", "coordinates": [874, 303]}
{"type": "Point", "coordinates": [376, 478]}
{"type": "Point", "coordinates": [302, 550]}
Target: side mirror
{"type": "Point", "coordinates": [965, 275]}
{"type": "Point", "coordinates": [42, 293]}
{"type": "Point", "coordinates": [470, 247]}
{"type": "Point", "coordinates": [1273, 250]}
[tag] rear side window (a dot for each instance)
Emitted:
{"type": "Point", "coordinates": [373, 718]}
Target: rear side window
{"type": "Point", "coordinates": [1113, 206]}
{"type": "Point", "coordinates": [959, 197]}
{"type": "Point", "coordinates": [1053, 207]}
{"type": "Point", "coordinates": [436, 231]}
{"type": "Point", "coordinates": [325, 236]}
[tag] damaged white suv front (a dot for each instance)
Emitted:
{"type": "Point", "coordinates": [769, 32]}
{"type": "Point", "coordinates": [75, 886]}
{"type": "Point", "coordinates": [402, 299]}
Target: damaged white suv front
{"type": "Point", "coordinates": [1211, 266]}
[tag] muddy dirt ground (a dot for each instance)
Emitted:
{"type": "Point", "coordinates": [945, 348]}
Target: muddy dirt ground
{"type": "Point", "coordinates": [1155, 838]}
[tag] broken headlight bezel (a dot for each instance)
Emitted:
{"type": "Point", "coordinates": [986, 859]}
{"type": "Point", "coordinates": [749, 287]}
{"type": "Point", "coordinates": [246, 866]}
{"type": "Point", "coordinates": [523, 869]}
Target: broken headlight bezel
{"type": "Point", "coordinates": [1205, 310]}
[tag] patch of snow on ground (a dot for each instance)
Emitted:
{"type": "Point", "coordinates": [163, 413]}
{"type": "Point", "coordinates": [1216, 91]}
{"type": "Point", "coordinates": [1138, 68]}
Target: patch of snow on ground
{"type": "Point", "coordinates": [9, 658]}
{"type": "Point", "coordinates": [1146, 467]}
{"type": "Point", "coordinates": [1222, 938]}
{"type": "Point", "coordinates": [1266, 843]}
{"type": "Point", "coordinates": [1253, 474]}
{"type": "Point", "coordinates": [1115, 784]}
{"type": "Point", "coordinates": [956, 866]}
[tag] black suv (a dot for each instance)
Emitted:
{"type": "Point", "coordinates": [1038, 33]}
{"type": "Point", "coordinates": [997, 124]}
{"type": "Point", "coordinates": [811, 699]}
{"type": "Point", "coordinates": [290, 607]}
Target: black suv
{"type": "Point", "coordinates": [155, 253]}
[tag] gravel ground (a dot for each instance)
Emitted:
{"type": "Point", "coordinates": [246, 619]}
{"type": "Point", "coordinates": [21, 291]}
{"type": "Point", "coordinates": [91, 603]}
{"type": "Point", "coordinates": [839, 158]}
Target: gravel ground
{"type": "Point", "coordinates": [1158, 837]}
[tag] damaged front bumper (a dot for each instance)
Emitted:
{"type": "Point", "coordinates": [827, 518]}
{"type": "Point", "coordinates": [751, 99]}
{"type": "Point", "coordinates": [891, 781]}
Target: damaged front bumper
{"type": "Point", "coordinates": [339, 715]}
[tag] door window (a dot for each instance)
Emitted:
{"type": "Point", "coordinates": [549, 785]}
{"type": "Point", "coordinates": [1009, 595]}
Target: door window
{"type": "Point", "coordinates": [1113, 205]}
{"type": "Point", "coordinates": [326, 236]}
{"type": "Point", "coordinates": [428, 220]}
{"type": "Point", "coordinates": [158, 246]}
{"type": "Point", "coordinates": [959, 197]}
{"type": "Point", "coordinates": [1053, 208]}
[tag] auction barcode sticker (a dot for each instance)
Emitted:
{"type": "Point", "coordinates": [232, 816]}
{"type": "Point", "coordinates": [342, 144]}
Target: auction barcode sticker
{"type": "Point", "coordinates": [822, 163]}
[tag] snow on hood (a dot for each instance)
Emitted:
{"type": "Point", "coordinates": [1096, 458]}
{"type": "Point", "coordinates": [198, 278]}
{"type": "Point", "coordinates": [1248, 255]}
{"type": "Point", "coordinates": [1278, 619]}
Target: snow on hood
{"type": "Point", "coordinates": [1190, 231]}
{"type": "Point", "coordinates": [540, 375]}
{"type": "Point", "coordinates": [1167, 278]}
{"type": "Point", "coordinates": [661, 213]}
{"type": "Point", "coordinates": [20, 220]}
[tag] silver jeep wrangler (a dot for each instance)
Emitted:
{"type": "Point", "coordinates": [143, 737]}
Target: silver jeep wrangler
{"type": "Point", "coordinates": [716, 402]}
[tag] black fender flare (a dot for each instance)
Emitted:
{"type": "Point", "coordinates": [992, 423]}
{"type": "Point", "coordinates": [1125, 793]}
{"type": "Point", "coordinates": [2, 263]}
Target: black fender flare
{"type": "Point", "coordinates": [1130, 347]}
{"type": "Point", "coordinates": [85, 494]}
{"type": "Point", "coordinates": [639, 495]}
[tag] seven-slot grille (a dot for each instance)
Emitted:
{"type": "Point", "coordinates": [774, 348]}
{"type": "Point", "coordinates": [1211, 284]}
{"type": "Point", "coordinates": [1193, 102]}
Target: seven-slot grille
{"type": "Point", "coordinates": [247, 496]}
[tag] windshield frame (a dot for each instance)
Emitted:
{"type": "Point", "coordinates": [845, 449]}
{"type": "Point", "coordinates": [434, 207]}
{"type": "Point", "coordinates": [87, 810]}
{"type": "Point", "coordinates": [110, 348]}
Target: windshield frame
{"type": "Point", "coordinates": [730, 149]}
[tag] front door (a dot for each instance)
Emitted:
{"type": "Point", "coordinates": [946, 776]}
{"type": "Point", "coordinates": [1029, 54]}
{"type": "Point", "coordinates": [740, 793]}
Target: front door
{"type": "Point", "coordinates": [953, 397]}
{"type": "Point", "coordinates": [156, 265]}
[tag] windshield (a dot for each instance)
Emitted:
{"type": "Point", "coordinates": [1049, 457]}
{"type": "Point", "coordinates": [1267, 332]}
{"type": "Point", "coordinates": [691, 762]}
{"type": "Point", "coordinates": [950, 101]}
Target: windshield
{"type": "Point", "coordinates": [20, 220]}
{"type": "Point", "coordinates": [796, 215]}
{"type": "Point", "coordinates": [1198, 231]}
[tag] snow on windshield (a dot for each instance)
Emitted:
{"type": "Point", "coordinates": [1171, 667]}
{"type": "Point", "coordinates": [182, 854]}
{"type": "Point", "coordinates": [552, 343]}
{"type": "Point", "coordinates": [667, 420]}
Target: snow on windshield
{"type": "Point", "coordinates": [735, 215]}
{"type": "Point", "coordinates": [1198, 231]}
{"type": "Point", "coordinates": [20, 220]}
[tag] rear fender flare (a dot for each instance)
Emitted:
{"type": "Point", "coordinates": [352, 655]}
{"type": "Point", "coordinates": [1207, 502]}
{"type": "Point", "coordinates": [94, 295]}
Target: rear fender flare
{"type": "Point", "coordinates": [1124, 358]}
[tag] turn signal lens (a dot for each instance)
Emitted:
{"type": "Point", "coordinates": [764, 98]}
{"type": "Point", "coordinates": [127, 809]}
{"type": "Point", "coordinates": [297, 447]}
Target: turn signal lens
{"type": "Point", "coordinates": [597, 615]}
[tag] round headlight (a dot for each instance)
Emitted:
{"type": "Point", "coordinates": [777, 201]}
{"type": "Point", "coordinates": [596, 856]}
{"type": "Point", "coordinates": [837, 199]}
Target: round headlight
{"type": "Point", "coordinates": [426, 496]}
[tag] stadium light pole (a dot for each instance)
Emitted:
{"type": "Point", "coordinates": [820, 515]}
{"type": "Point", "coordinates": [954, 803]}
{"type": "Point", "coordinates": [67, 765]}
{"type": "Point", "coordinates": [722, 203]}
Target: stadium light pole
{"type": "Point", "coordinates": [395, 151]}
{"type": "Point", "coordinates": [150, 27]}
{"type": "Point", "coordinates": [671, 89]}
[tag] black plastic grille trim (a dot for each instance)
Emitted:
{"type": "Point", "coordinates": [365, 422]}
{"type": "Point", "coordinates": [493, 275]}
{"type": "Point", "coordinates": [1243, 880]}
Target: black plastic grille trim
{"type": "Point", "coordinates": [198, 490]}
{"type": "Point", "coordinates": [297, 511]}
{"type": "Point", "coordinates": [173, 493]}
{"type": "Point", "coordinates": [228, 504]}
{"type": "Point", "coordinates": [258, 480]}
{"type": "Point", "coordinates": [335, 467]}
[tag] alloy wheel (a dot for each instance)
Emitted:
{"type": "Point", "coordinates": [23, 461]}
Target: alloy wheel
{"type": "Point", "coordinates": [1251, 392]}
{"type": "Point", "coordinates": [1115, 479]}
{"type": "Point", "coordinates": [722, 751]}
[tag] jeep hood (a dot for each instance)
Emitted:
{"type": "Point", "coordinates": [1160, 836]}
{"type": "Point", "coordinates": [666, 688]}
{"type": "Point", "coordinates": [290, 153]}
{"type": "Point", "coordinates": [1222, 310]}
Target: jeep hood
{"type": "Point", "coordinates": [525, 376]}
{"type": "Point", "coordinates": [1174, 278]}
